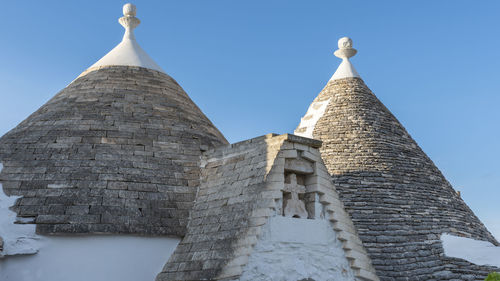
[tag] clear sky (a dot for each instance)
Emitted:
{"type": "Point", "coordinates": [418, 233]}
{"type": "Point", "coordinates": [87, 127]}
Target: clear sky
{"type": "Point", "coordinates": [255, 66]}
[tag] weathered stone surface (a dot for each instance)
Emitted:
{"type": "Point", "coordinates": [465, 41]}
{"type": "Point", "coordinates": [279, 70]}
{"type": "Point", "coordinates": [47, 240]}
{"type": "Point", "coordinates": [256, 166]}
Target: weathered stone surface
{"type": "Point", "coordinates": [117, 151]}
{"type": "Point", "coordinates": [225, 213]}
{"type": "Point", "coordinates": [398, 200]}
{"type": "Point", "coordinates": [242, 186]}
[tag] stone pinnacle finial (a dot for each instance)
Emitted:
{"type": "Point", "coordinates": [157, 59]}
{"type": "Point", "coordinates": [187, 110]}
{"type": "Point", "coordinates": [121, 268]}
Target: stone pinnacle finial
{"type": "Point", "coordinates": [129, 21]}
{"type": "Point", "coordinates": [129, 10]}
{"type": "Point", "coordinates": [345, 51]}
{"type": "Point", "coordinates": [128, 52]}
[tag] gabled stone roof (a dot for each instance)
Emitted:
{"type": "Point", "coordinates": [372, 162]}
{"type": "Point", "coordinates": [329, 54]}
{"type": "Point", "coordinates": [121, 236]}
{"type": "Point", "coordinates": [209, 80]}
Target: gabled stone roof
{"type": "Point", "coordinates": [116, 151]}
{"type": "Point", "coordinates": [397, 198]}
{"type": "Point", "coordinates": [241, 191]}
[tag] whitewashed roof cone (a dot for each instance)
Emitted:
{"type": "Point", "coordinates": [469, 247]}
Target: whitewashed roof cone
{"type": "Point", "coordinates": [128, 52]}
{"type": "Point", "coordinates": [345, 51]}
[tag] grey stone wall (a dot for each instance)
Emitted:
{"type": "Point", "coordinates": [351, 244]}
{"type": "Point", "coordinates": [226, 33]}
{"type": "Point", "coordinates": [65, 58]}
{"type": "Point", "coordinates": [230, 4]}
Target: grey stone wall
{"type": "Point", "coordinates": [243, 186]}
{"type": "Point", "coordinates": [398, 200]}
{"type": "Point", "coordinates": [116, 151]}
{"type": "Point", "coordinates": [233, 180]}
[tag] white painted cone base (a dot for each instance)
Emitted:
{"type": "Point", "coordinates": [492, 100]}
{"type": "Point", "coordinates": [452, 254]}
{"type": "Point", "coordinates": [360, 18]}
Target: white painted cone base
{"type": "Point", "coordinates": [128, 52]}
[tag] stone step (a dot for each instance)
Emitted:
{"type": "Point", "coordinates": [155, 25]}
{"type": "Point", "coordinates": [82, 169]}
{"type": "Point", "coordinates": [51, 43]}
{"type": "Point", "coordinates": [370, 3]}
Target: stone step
{"type": "Point", "coordinates": [363, 275]}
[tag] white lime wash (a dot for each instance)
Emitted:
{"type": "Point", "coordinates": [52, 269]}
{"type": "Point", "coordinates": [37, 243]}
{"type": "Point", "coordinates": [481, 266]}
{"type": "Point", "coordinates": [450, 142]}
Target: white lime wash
{"type": "Point", "coordinates": [27, 256]}
{"type": "Point", "coordinates": [313, 114]}
{"type": "Point", "coordinates": [317, 108]}
{"type": "Point", "coordinates": [18, 239]}
{"type": "Point", "coordinates": [96, 258]}
{"type": "Point", "coordinates": [128, 52]}
{"type": "Point", "coordinates": [475, 251]}
{"type": "Point", "coordinates": [345, 51]}
{"type": "Point", "coordinates": [296, 249]}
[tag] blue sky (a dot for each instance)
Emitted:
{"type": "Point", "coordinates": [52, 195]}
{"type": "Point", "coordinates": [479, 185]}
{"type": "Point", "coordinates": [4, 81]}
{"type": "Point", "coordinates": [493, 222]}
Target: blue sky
{"type": "Point", "coordinates": [254, 67]}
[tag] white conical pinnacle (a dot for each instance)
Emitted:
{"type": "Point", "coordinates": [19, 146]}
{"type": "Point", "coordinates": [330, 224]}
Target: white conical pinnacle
{"type": "Point", "coordinates": [345, 51]}
{"type": "Point", "coordinates": [129, 21]}
{"type": "Point", "coordinates": [128, 52]}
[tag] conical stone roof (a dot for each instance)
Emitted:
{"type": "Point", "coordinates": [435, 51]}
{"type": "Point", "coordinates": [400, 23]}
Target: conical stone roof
{"type": "Point", "coordinates": [116, 151]}
{"type": "Point", "coordinates": [398, 199]}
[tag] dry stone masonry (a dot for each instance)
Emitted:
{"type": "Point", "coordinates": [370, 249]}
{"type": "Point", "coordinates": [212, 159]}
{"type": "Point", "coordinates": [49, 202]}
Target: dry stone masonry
{"type": "Point", "coordinates": [398, 200]}
{"type": "Point", "coordinates": [243, 187]}
{"type": "Point", "coordinates": [117, 151]}
{"type": "Point", "coordinates": [124, 150]}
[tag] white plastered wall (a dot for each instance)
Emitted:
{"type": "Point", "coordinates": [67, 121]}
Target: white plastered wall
{"type": "Point", "coordinates": [18, 239]}
{"type": "Point", "coordinates": [30, 257]}
{"type": "Point", "coordinates": [296, 249]}
{"type": "Point", "coordinates": [474, 251]}
{"type": "Point", "coordinates": [96, 258]}
{"type": "Point", "coordinates": [315, 111]}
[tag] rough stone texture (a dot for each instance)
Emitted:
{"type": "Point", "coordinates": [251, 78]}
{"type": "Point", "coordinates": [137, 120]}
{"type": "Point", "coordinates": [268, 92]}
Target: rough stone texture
{"type": "Point", "coordinates": [116, 151]}
{"type": "Point", "coordinates": [242, 187]}
{"type": "Point", "coordinates": [276, 257]}
{"type": "Point", "coordinates": [232, 189]}
{"type": "Point", "coordinates": [397, 198]}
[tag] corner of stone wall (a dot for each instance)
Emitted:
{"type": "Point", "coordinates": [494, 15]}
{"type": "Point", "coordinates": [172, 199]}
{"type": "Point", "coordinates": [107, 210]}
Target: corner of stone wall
{"type": "Point", "coordinates": [346, 232]}
{"type": "Point", "coordinates": [16, 237]}
{"type": "Point", "coordinates": [280, 148]}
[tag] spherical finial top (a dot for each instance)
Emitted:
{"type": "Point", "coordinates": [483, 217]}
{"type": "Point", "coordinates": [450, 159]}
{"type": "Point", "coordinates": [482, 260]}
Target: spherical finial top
{"type": "Point", "coordinates": [345, 50]}
{"type": "Point", "coordinates": [129, 10]}
{"type": "Point", "coordinates": [345, 43]}
{"type": "Point", "coordinates": [129, 21]}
